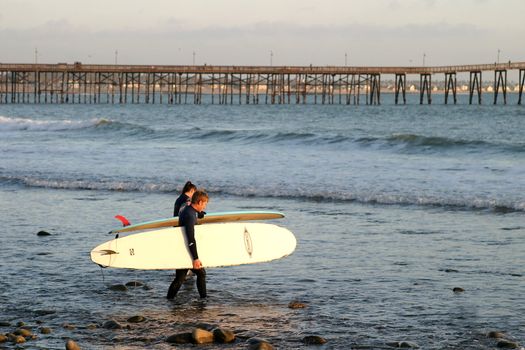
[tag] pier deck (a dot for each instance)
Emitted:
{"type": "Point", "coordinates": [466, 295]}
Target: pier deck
{"type": "Point", "coordinates": [96, 83]}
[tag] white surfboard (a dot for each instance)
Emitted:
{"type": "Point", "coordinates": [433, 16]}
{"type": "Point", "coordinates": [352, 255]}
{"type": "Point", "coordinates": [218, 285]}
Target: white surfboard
{"type": "Point", "coordinates": [223, 244]}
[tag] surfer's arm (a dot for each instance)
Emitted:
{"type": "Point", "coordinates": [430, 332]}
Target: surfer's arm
{"type": "Point", "coordinates": [192, 245]}
{"type": "Point", "coordinates": [189, 227]}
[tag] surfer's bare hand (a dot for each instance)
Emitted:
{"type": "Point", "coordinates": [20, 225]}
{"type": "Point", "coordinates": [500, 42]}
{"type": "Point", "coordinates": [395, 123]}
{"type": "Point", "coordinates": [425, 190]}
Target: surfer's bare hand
{"type": "Point", "coordinates": [197, 264]}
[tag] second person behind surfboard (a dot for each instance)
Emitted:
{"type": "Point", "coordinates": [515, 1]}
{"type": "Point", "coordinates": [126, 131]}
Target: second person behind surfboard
{"type": "Point", "coordinates": [185, 197]}
{"type": "Point", "coordinates": [188, 219]}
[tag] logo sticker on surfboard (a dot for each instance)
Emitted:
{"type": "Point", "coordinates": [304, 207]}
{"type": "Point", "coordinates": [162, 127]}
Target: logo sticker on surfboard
{"type": "Point", "coordinates": [248, 242]}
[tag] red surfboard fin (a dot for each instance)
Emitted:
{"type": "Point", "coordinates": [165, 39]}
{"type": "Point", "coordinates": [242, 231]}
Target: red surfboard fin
{"type": "Point", "coordinates": [125, 222]}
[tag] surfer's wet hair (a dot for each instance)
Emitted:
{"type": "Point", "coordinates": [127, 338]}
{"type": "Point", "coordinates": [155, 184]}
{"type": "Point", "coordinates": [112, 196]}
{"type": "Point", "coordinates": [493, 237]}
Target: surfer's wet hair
{"type": "Point", "coordinates": [188, 186]}
{"type": "Point", "coordinates": [198, 196]}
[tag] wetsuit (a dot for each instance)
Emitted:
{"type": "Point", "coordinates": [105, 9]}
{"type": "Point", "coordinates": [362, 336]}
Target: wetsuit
{"type": "Point", "coordinates": [180, 203]}
{"type": "Point", "coordinates": [188, 219]}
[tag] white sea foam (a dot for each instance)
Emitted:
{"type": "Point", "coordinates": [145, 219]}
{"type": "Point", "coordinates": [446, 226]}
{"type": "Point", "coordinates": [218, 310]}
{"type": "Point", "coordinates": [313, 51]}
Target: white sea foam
{"type": "Point", "coordinates": [21, 124]}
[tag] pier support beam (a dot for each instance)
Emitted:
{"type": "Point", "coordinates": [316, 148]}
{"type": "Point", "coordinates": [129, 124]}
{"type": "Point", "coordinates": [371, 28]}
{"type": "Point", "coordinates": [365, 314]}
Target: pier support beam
{"type": "Point", "coordinates": [401, 85]}
{"type": "Point", "coordinates": [522, 82]}
{"type": "Point", "coordinates": [451, 84]}
{"type": "Point", "coordinates": [500, 79]}
{"type": "Point", "coordinates": [475, 83]}
{"type": "Point", "coordinates": [375, 89]}
{"type": "Point", "coordinates": [425, 85]}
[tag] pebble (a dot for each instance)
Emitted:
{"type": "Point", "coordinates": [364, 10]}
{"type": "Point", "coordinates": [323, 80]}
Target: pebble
{"type": "Point", "coordinates": [181, 338]}
{"type": "Point", "coordinates": [223, 335]}
{"type": "Point", "coordinates": [296, 305]}
{"type": "Point", "coordinates": [314, 340]}
{"type": "Point", "coordinates": [3, 338]}
{"type": "Point", "coordinates": [403, 344]}
{"type": "Point", "coordinates": [136, 319]}
{"type": "Point", "coordinates": [507, 344]}
{"type": "Point", "coordinates": [44, 312]}
{"type": "Point", "coordinates": [495, 334]}
{"type": "Point", "coordinates": [134, 284]}
{"type": "Point", "coordinates": [92, 326]}
{"type": "Point", "coordinates": [46, 330]}
{"type": "Point", "coordinates": [18, 339]}
{"type": "Point", "coordinates": [72, 345]}
{"type": "Point", "coordinates": [458, 290]}
{"type": "Point", "coordinates": [112, 324]}
{"type": "Point", "coordinates": [201, 336]}
{"type": "Point", "coordinates": [23, 332]}
{"type": "Point", "coordinates": [451, 271]}
{"type": "Point", "coordinates": [69, 326]}
{"type": "Point", "coordinates": [259, 344]}
{"type": "Point", "coordinates": [43, 233]}
{"type": "Point", "coordinates": [118, 288]}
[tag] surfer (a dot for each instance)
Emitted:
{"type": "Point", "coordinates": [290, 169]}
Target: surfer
{"type": "Point", "coordinates": [185, 197]}
{"type": "Point", "coordinates": [188, 219]}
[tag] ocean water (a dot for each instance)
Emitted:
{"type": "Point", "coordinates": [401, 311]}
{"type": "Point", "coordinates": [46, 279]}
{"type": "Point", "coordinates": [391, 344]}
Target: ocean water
{"type": "Point", "coordinates": [392, 208]}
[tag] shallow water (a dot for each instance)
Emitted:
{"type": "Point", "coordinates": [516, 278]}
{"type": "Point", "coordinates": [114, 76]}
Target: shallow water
{"type": "Point", "coordinates": [392, 207]}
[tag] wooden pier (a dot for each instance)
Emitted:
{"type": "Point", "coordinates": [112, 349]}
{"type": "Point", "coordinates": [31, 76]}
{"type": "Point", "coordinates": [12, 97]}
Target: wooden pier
{"type": "Point", "coordinates": [92, 83]}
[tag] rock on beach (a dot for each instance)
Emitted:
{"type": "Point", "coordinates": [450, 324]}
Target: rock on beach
{"type": "Point", "coordinates": [72, 345]}
{"type": "Point", "coordinates": [201, 336]}
{"type": "Point", "coordinates": [296, 305]}
{"type": "Point", "coordinates": [507, 344]}
{"type": "Point", "coordinates": [46, 330]}
{"type": "Point", "coordinates": [134, 284]}
{"type": "Point", "coordinates": [259, 344]}
{"type": "Point", "coordinates": [223, 335]}
{"type": "Point", "coordinates": [314, 340]}
{"type": "Point", "coordinates": [112, 324]}
{"type": "Point", "coordinates": [136, 319]}
{"type": "Point", "coordinates": [23, 332]}
{"type": "Point", "coordinates": [495, 334]}
{"type": "Point", "coordinates": [118, 288]}
{"type": "Point", "coordinates": [403, 344]}
{"type": "Point", "coordinates": [180, 338]}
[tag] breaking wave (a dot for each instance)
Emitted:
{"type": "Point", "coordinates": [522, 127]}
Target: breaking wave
{"type": "Point", "coordinates": [372, 197]}
{"type": "Point", "coordinates": [26, 124]}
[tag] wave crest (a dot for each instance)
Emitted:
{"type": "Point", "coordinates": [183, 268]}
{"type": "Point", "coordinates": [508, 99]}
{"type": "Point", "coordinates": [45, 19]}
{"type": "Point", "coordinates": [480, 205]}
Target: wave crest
{"type": "Point", "coordinates": [27, 124]}
{"type": "Point", "coordinates": [364, 196]}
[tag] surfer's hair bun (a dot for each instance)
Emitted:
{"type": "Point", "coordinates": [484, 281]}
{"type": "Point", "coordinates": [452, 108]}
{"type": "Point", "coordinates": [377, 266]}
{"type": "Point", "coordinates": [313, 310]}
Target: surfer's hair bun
{"type": "Point", "coordinates": [188, 186]}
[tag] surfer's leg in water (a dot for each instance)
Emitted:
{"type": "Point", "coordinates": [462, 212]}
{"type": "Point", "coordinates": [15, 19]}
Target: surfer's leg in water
{"type": "Point", "coordinates": [201, 281]}
{"type": "Point", "coordinates": [180, 276]}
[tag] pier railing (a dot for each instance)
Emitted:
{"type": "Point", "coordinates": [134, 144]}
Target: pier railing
{"type": "Point", "coordinates": [174, 84]}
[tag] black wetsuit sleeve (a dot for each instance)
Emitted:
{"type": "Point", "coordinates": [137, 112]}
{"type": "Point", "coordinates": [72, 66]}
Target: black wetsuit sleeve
{"type": "Point", "coordinates": [189, 219]}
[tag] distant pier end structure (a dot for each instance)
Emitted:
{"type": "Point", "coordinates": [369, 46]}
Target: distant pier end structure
{"type": "Point", "coordinates": [93, 83]}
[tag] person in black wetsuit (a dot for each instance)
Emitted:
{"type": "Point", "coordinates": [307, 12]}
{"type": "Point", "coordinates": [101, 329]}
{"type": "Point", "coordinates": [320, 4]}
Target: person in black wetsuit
{"type": "Point", "coordinates": [188, 219]}
{"type": "Point", "coordinates": [185, 198]}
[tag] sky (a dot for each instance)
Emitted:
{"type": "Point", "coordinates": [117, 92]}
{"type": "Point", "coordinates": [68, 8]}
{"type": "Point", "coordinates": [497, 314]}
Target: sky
{"type": "Point", "coordinates": [254, 32]}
